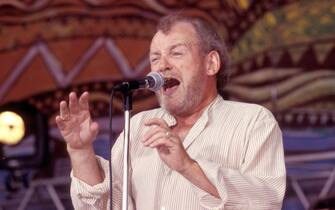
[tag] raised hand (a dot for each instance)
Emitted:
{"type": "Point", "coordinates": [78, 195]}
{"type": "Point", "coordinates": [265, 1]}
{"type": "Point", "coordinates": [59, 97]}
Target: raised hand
{"type": "Point", "coordinates": [79, 131]}
{"type": "Point", "coordinates": [75, 123]}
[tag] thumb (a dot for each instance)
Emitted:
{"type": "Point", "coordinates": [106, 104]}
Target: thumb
{"type": "Point", "coordinates": [94, 128]}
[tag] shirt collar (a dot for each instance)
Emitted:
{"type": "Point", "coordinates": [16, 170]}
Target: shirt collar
{"type": "Point", "coordinates": [171, 120]}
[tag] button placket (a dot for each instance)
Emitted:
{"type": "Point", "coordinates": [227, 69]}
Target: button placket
{"type": "Point", "coordinates": [166, 175]}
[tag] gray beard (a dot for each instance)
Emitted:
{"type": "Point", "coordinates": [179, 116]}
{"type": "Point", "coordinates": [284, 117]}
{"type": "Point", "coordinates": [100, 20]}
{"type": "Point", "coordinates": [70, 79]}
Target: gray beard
{"type": "Point", "coordinates": [185, 105]}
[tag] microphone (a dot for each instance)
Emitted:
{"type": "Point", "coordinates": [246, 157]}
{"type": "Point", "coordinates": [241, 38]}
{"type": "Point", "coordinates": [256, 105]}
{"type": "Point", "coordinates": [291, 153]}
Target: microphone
{"type": "Point", "coordinates": [153, 81]}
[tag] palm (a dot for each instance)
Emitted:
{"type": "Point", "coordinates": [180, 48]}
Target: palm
{"type": "Point", "coordinates": [75, 123]}
{"type": "Point", "coordinates": [77, 130]}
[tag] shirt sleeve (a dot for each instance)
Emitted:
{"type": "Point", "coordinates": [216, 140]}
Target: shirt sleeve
{"type": "Point", "coordinates": [260, 181]}
{"type": "Point", "coordinates": [85, 196]}
{"type": "Point", "coordinates": [96, 197]}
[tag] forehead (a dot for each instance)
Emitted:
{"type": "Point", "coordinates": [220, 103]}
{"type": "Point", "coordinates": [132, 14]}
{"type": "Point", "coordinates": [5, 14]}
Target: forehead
{"type": "Point", "coordinates": [179, 33]}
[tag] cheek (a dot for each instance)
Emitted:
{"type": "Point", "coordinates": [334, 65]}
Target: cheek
{"type": "Point", "coordinates": [154, 67]}
{"type": "Point", "coordinates": [185, 66]}
{"type": "Point", "coordinates": [192, 63]}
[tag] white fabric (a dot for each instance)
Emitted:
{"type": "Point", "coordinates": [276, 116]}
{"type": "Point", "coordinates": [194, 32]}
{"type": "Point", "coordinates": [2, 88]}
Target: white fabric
{"type": "Point", "coordinates": [237, 145]}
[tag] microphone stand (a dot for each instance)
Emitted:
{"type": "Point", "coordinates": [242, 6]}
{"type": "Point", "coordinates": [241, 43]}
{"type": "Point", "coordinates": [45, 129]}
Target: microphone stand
{"type": "Point", "coordinates": [127, 104]}
{"type": "Point", "coordinates": [153, 81]}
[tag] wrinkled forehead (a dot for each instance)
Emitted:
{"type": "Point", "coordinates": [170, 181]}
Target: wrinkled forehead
{"type": "Point", "coordinates": [179, 33]}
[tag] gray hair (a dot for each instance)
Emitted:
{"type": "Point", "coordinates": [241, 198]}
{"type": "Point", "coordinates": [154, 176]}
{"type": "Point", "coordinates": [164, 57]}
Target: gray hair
{"type": "Point", "coordinates": [209, 40]}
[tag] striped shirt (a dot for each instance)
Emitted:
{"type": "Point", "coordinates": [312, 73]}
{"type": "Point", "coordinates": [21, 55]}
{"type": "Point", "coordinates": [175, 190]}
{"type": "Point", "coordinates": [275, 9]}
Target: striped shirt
{"type": "Point", "coordinates": [237, 145]}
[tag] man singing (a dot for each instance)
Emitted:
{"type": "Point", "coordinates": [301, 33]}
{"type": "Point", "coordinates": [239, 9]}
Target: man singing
{"type": "Point", "coordinates": [197, 151]}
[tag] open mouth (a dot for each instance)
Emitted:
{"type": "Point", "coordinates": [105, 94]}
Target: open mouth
{"type": "Point", "coordinates": [170, 82]}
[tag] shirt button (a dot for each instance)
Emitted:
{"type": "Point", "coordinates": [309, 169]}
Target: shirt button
{"type": "Point", "coordinates": [167, 171]}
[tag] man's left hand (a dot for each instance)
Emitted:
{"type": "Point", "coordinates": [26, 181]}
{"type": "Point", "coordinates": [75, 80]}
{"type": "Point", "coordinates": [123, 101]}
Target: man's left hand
{"type": "Point", "coordinates": [168, 145]}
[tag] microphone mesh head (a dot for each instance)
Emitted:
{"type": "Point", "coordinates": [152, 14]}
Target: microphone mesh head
{"type": "Point", "coordinates": [156, 81]}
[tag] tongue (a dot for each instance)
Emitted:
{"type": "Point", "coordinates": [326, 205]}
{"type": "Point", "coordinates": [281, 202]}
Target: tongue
{"type": "Point", "coordinates": [170, 82]}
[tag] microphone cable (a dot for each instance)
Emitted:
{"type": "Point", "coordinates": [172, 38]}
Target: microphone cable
{"type": "Point", "coordinates": [111, 144]}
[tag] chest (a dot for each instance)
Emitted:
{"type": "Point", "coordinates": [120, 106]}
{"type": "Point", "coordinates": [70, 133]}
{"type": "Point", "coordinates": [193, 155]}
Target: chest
{"type": "Point", "coordinates": [181, 132]}
{"type": "Point", "coordinates": [150, 173]}
{"type": "Point", "coordinates": [219, 145]}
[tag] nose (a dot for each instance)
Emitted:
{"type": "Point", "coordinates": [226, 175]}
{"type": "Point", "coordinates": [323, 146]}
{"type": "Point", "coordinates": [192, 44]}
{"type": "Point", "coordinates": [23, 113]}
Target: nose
{"type": "Point", "coordinates": [164, 65]}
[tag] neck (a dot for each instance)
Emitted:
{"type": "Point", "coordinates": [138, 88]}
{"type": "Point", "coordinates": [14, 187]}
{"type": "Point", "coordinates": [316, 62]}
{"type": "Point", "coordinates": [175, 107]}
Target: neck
{"type": "Point", "coordinates": [188, 119]}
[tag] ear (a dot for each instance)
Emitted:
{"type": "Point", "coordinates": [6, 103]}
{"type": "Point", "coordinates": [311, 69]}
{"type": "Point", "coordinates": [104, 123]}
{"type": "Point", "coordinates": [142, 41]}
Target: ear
{"type": "Point", "coordinates": [213, 63]}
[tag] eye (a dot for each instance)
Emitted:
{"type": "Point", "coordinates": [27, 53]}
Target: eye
{"type": "Point", "coordinates": [177, 53]}
{"type": "Point", "coordinates": [154, 59]}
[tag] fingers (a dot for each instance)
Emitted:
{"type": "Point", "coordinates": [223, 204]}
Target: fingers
{"type": "Point", "coordinates": [153, 131]}
{"type": "Point", "coordinates": [60, 123]}
{"type": "Point", "coordinates": [160, 139]}
{"type": "Point", "coordinates": [162, 142]}
{"type": "Point", "coordinates": [156, 121]}
{"type": "Point", "coordinates": [157, 136]}
{"type": "Point", "coordinates": [94, 128]}
{"type": "Point", "coordinates": [64, 111]}
{"type": "Point", "coordinates": [73, 103]}
{"type": "Point", "coordinates": [154, 136]}
{"type": "Point", "coordinates": [64, 116]}
{"type": "Point", "coordinates": [83, 101]}
{"type": "Point", "coordinates": [74, 107]}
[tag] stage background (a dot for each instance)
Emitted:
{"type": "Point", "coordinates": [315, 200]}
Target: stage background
{"type": "Point", "coordinates": [282, 53]}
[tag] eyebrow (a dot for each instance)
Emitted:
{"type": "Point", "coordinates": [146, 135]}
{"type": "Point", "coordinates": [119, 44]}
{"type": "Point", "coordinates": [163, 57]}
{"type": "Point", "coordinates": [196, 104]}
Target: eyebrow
{"type": "Point", "coordinates": [172, 47]}
{"type": "Point", "coordinates": [179, 44]}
